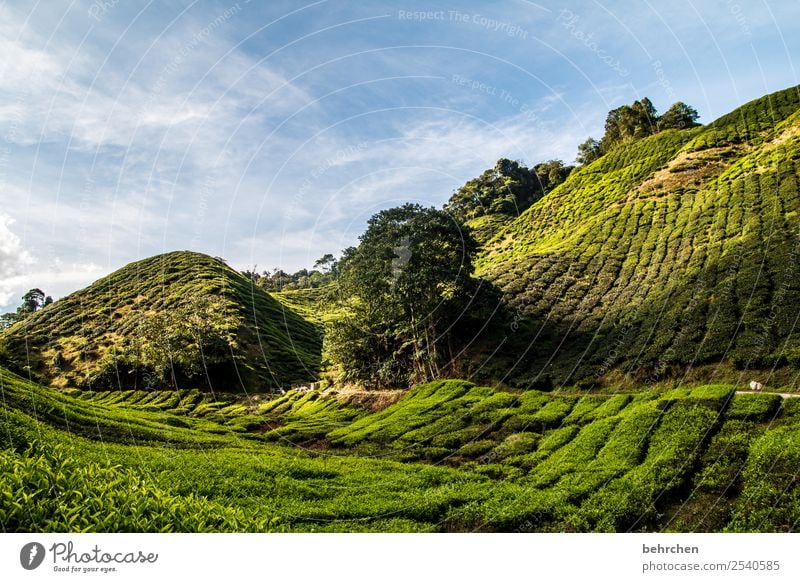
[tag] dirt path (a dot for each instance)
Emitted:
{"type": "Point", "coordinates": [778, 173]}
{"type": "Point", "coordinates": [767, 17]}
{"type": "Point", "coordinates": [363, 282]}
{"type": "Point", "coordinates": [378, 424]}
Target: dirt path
{"type": "Point", "coordinates": [781, 394]}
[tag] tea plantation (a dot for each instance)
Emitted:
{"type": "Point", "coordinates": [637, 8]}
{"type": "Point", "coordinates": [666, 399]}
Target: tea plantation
{"type": "Point", "coordinates": [676, 250]}
{"type": "Point", "coordinates": [448, 456]}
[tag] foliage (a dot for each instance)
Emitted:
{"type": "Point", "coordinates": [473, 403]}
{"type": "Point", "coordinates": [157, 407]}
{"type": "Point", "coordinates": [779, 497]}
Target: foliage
{"type": "Point", "coordinates": [324, 273]}
{"type": "Point", "coordinates": [678, 116]}
{"type": "Point", "coordinates": [185, 461]}
{"type": "Point", "coordinates": [770, 499]}
{"type": "Point", "coordinates": [589, 151]}
{"type": "Point", "coordinates": [754, 407]}
{"type": "Point", "coordinates": [629, 122]}
{"type": "Point", "coordinates": [32, 301]}
{"type": "Point", "coordinates": [409, 295]}
{"type": "Point", "coordinates": [45, 489]}
{"type": "Point", "coordinates": [635, 121]}
{"type": "Point", "coordinates": [506, 190]}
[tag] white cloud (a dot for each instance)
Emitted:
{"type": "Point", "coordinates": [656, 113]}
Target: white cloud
{"type": "Point", "coordinates": [13, 261]}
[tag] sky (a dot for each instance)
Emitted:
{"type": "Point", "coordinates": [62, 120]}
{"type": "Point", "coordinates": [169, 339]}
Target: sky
{"type": "Point", "coordinates": [267, 133]}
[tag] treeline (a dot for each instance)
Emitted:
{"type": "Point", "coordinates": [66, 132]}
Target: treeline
{"type": "Point", "coordinates": [635, 121]}
{"type": "Point", "coordinates": [508, 188]}
{"type": "Point", "coordinates": [324, 272]}
{"type": "Point", "coordinates": [32, 301]}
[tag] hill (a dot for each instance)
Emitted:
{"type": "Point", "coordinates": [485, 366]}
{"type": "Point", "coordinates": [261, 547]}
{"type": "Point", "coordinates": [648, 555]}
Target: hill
{"type": "Point", "coordinates": [181, 318]}
{"type": "Point", "coordinates": [674, 250]}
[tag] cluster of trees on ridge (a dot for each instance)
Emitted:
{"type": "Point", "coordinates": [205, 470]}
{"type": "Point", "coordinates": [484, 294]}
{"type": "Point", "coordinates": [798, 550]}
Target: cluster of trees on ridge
{"type": "Point", "coordinates": [508, 188]}
{"type": "Point", "coordinates": [635, 121]}
{"type": "Point", "coordinates": [324, 272]}
{"type": "Point", "coordinates": [34, 300]}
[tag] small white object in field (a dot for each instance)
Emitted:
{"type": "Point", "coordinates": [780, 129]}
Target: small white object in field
{"type": "Point", "coordinates": [755, 385]}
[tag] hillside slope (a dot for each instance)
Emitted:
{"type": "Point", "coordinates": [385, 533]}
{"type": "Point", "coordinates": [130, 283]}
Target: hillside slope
{"type": "Point", "coordinates": [181, 318]}
{"type": "Point", "coordinates": [677, 249]}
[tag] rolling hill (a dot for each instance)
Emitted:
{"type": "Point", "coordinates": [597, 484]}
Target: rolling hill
{"type": "Point", "coordinates": [181, 318]}
{"type": "Point", "coordinates": [676, 250]}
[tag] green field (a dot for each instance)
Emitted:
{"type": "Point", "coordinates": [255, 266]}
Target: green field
{"type": "Point", "coordinates": [448, 456]}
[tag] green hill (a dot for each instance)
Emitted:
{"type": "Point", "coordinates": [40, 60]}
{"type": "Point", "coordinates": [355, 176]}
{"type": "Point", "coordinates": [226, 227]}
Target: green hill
{"type": "Point", "coordinates": [180, 318]}
{"type": "Point", "coordinates": [677, 249]}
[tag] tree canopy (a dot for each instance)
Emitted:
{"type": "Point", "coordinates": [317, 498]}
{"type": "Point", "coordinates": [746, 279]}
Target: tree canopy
{"type": "Point", "coordinates": [405, 289]}
{"type": "Point", "coordinates": [508, 188]}
{"type": "Point", "coordinates": [323, 273]}
{"type": "Point", "coordinates": [635, 121]}
{"type": "Point", "coordinates": [34, 300]}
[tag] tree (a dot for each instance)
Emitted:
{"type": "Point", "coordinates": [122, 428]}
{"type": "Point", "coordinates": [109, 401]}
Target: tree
{"type": "Point", "coordinates": [639, 120]}
{"type": "Point", "coordinates": [629, 122]}
{"type": "Point", "coordinates": [8, 319]}
{"type": "Point", "coordinates": [508, 188]}
{"type": "Point", "coordinates": [588, 151]}
{"type": "Point", "coordinates": [179, 343]}
{"type": "Point", "coordinates": [645, 118]}
{"type": "Point", "coordinates": [551, 173]}
{"type": "Point", "coordinates": [33, 301]}
{"type": "Point", "coordinates": [326, 263]}
{"type": "Point", "coordinates": [678, 116]}
{"type": "Point", "coordinates": [405, 288]}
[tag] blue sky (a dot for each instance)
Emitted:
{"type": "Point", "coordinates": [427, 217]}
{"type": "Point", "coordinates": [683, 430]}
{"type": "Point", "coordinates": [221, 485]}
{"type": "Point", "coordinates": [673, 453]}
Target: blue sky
{"type": "Point", "coordinates": [267, 133]}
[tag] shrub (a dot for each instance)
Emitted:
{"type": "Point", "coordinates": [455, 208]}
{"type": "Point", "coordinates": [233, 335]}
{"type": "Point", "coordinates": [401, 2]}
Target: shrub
{"type": "Point", "coordinates": [517, 444]}
{"type": "Point", "coordinates": [754, 407]}
{"type": "Point", "coordinates": [552, 414]}
{"type": "Point", "coordinates": [770, 499]}
{"type": "Point", "coordinates": [476, 448]}
{"type": "Point", "coordinates": [46, 490]}
{"type": "Point", "coordinates": [725, 457]}
{"type": "Point", "coordinates": [584, 406]}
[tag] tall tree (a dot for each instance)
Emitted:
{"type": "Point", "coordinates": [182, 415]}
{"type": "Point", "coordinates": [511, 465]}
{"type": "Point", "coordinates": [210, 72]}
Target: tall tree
{"type": "Point", "coordinates": [551, 173]}
{"type": "Point", "coordinates": [589, 151]}
{"type": "Point", "coordinates": [678, 116]}
{"type": "Point", "coordinates": [645, 118]}
{"type": "Point", "coordinates": [33, 301]}
{"type": "Point", "coordinates": [405, 288]}
{"type": "Point", "coordinates": [326, 263]}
